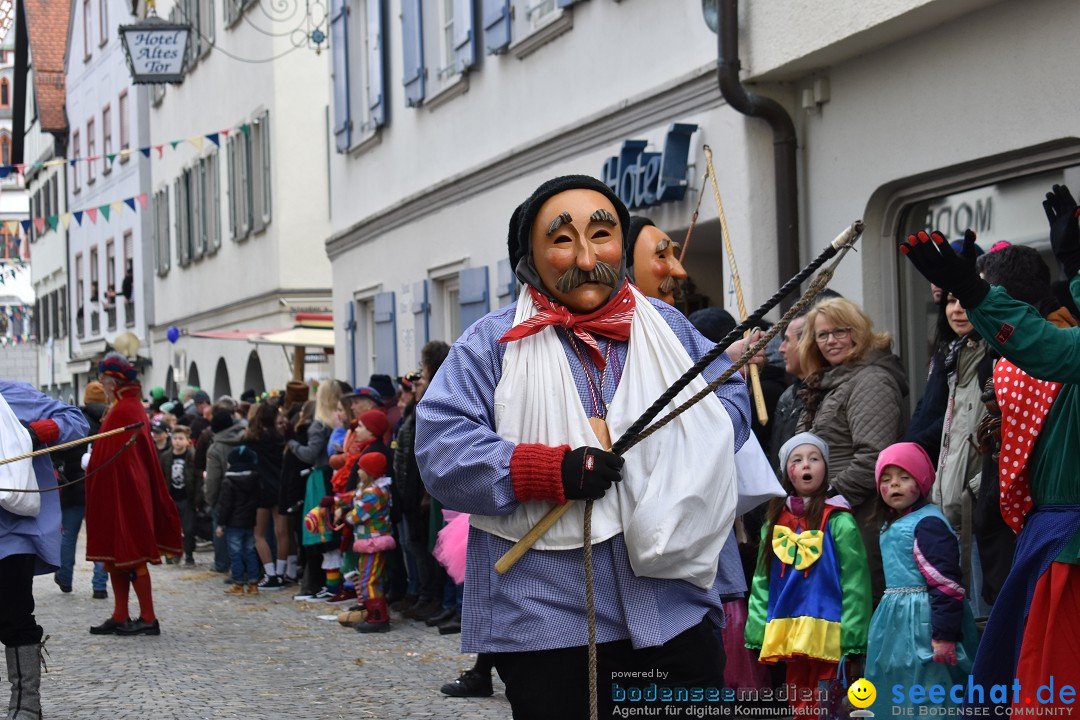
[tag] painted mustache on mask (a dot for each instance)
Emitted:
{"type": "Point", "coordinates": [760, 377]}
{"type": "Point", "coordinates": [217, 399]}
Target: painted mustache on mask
{"type": "Point", "coordinates": [670, 285]}
{"type": "Point", "coordinates": [602, 273]}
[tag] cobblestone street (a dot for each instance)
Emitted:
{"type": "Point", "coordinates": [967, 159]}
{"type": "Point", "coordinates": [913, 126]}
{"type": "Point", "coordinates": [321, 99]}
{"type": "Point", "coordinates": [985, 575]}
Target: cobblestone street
{"type": "Point", "coordinates": [242, 657]}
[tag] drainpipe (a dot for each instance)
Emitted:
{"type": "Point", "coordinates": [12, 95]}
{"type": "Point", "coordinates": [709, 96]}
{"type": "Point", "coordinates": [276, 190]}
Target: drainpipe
{"type": "Point", "coordinates": [786, 179]}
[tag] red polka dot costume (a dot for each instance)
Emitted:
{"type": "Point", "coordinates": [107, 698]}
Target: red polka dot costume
{"type": "Point", "coordinates": [1025, 403]}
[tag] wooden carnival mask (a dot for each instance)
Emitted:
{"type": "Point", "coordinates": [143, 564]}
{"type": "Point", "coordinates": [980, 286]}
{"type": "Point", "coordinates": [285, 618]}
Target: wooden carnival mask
{"type": "Point", "coordinates": [657, 270]}
{"type": "Point", "coordinates": [577, 249]}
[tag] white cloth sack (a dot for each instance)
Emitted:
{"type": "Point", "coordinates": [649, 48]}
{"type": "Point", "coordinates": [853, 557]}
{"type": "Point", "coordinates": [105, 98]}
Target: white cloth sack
{"type": "Point", "coordinates": [15, 441]}
{"type": "Point", "coordinates": [757, 479]}
{"type": "Point", "coordinates": [676, 503]}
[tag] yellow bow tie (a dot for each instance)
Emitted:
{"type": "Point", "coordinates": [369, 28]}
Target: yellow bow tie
{"type": "Point", "coordinates": [799, 549]}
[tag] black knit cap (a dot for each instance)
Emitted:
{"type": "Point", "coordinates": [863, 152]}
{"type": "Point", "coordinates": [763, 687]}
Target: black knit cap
{"type": "Point", "coordinates": [518, 237]}
{"type": "Point", "coordinates": [634, 228]}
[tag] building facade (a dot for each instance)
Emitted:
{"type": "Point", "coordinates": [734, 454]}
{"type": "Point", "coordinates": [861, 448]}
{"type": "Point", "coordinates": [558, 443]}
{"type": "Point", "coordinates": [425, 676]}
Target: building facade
{"type": "Point", "coordinates": [906, 114]}
{"type": "Point", "coordinates": [240, 205]}
{"type": "Point", "coordinates": [108, 188]}
{"type": "Point", "coordinates": [38, 148]}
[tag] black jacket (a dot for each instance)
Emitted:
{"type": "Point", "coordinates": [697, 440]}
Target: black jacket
{"type": "Point", "coordinates": [69, 462]}
{"type": "Point", "coordinates": [238, 500]}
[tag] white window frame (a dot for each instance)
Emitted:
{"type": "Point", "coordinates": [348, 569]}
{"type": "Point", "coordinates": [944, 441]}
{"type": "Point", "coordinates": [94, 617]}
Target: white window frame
{"type": "Point", "coordinates": [103, 22]}
{"type": "Point", "coordinates": [211, 201]}
{"type": "Point", "coordinates": [91, 147]}
{"type": "Point", "coordinates": [86, 30]}
{"type": "Point", "coordinates": [124, 127]}
{"type": "Point", "coordinates": [75, 153]}
{"type": "Point", "coordinates": [106, 138]}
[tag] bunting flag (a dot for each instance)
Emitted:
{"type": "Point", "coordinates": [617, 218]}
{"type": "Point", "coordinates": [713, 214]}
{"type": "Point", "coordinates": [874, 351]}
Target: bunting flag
{"type": "Point", "coordinates": [141, 199]}
{"type": "Point", "coordinates": [110, 157]}
{"type": "Point", "coordinates": [213, 137]}
{"type": "Point", "coordinates": [39, 223]}
{"type": "Point", "coordinates": [174, 143]}
{"type": "Point", "coordinates": [78, 217]}
{"type": "Point", "coordinates": [25, 226]}
{"type": "Point", "coordinates": [130, 202]}
{"type": "Point", "coordinates": [104, 210]}
{"type": "Point", "coordinates": [65, 220]}
{"type": "Point", "coordinates": [160, 151]}
{"type": "Point", "coordinates": [92, 214]}
{"type": "Point", "coordinates": [197, 141]}
{"type": "Point", "coordinates": [53, 221]}
{"type": "Point", "coordinates": [145, 151]}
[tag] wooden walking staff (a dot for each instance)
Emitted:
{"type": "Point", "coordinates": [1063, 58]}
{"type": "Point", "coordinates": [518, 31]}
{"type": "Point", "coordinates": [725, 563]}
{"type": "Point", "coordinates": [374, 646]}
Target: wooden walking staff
{"type": "Point", "coordinates": [755, 378]}
{"type": "Point", "coordinates": [73, 443]}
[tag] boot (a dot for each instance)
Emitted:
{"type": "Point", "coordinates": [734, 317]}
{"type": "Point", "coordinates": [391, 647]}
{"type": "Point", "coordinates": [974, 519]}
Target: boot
{"type": "Point", "coordinates": [378, 617]}
{"type": "Point", "coordinates": [24, 673]}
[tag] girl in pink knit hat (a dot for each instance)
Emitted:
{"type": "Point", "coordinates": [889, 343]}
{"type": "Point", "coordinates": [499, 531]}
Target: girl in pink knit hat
{"type": "Point", "coordinates": [921, 558]}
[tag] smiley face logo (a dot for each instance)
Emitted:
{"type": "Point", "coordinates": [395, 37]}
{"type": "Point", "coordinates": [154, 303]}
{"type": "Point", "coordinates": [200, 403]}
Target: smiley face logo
{"type": "Point", "coordinates": [862, 693]}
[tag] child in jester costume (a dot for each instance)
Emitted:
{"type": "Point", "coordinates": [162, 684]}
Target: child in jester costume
{"type": "Point", "coordinates": [810, 599]}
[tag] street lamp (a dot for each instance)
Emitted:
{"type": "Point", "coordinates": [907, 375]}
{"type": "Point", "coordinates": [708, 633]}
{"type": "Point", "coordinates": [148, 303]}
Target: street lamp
{"type": "Point", "coordinates": [156, 50]}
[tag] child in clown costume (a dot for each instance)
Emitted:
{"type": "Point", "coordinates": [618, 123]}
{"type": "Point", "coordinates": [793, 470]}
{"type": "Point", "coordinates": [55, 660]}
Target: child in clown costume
{"type": "Point", "coordinates": [810, 598]}
{"type": "Point", "coordinates": [922, 633]}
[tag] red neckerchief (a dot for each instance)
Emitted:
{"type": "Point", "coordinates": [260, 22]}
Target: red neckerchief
{"type": "Point", "coordinates": [612, 321]}
{"type": "Point", "coordinates": [1025, 404]}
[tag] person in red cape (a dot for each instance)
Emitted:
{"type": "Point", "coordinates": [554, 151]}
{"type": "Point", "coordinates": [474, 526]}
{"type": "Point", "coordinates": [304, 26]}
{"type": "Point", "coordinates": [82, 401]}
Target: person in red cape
{"type": "Point", "coordinates": [130, 518]}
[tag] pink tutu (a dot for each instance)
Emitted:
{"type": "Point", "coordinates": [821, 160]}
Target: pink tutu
{"type": "Point", "coordinates": [451, 543]}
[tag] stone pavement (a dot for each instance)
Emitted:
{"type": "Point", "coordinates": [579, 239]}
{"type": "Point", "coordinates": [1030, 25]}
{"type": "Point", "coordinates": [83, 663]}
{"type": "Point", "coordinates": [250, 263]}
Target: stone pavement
{"type": "Point", "coordinates": [241, 657]}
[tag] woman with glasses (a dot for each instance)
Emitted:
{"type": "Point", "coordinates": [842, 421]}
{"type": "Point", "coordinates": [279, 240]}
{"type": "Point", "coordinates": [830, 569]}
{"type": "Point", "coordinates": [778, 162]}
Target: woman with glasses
{"type": "Point", "coordinates": [853, 396]}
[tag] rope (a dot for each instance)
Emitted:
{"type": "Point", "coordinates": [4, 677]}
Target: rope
{"type": "Point", "coordinates": [590, 612]}
{"type": "Point", "coordinates": [630, 439]}
{"type": "Point", "coordinates": [107, 463]}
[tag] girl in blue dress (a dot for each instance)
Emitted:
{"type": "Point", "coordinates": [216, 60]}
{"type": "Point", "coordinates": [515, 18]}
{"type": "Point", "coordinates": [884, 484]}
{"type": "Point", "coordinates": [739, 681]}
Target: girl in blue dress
{"type": "Point", "coordinates": [923, 632]}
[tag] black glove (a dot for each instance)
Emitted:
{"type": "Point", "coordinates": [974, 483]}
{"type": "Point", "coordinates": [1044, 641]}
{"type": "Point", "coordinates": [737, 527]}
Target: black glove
{"type": "Point", "coordinates": [34, 439]}
{"type": "Point", "coordinates": [940, 264]}
{"type": "Point", "coordinates": [588, 472]}
{"type": "Point", "coordinates": [1061, 211]}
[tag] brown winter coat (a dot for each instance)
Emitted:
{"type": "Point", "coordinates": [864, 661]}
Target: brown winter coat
{"type": "Point", "coordinates": [858, 409]}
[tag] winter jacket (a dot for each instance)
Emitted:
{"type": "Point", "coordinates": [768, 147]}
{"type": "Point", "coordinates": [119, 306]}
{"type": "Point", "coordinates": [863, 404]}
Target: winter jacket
{"type": "Point", "coordinates": [857, 408]}
{"type": "Point", "coordinates": [166, 458]}
{"type": "Point", "coordinates": [217, 459]}
{"type": "Point", "coordinates": [72, 488]}
{"type": "Point", "coordinates": [238, 502]}
{"type": "Point", "coordinates": [785, 418]}
{"type": "Point", "coordinates": [314, 452]}
{"type": "Point", "coordinates": [294, 473]}
{"type": "Point", "coordinates": [959, 464]}
{"type": "Point", "coordinates": [929, 416]}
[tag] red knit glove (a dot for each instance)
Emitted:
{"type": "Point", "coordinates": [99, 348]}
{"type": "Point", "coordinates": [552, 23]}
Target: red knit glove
{"type": "Point", "coordinates": [944, 651]}
{"type": "Point", "coordinates": [536, 472]}
{"type": "Point", "coordinates": [43, 432]}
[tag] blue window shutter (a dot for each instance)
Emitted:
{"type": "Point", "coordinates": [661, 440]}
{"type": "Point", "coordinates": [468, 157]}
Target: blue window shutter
{"type": "Point", "coordinates": [412, 41]}
{"type": "Point", "coordinates": [464, 41]}
{"type": "Point", "coordinates": [385, 334]}
{"type": "Point", "coordinates": [375, 63]}
{"type": "Point", "coordinates": [496, 26]}
{"type": "Point", "coordinates": [566, 3]}
{"type": "Point", "coordinates": [339, 55]}
{"type": "Point", "coordinates": [421, 310]}
{"type": "Point", "coordinates": [473, 295]}
{"type": "Point", "coordinates": [506, 283]}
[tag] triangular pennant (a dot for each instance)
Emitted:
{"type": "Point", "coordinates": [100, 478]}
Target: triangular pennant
{"type": "Point", "coordinates": [118, 207]}
{"type": "Point", "coordinates": [72, 161]}
{"type": "Point", "coordinates": [93, 158]}
{"type": "Point", "coordinates": [142, 199]}
{"type": "Point", "coordinates": [39, 223]}
{"type": "Point", "coordinates": [245, 128]}
{"type": "Point", "coordinates": [174, 143]}
{"type": "Point", "coordinates": [213, 137]}
{"type": "Point", "coordinates": [39, 165]}
{"type": "Point", "coordinates": [65, 220]}
{"type": "Point", "coordinates": [12, 226]}
{"type": "Point", "coordinates": [78, 217]}
{"type": "Point", "coordinates": [54, 221]}
{"type": "Point", "coordinates": [25, 225]}
{"type": "Point", "coordinates": [197, 141]}
{"type": "Point", "coordinates": [110, 157]}
{"type": "Point", "coordinates": [5, 170]}
{"type": "Point", "coordinates": [104, 210]}
{"type": "Point", "coordinates": [145, 151]}
{"type": "Point", "coordinates": [130, 202]}
{"type": "Point", "coordinates": [226, 132]}
{"type": "Point", "coordinates": [54, 163]}
{"type": "Point", "coordinates": [19, 169]}
{"type": "Point", "coordinates": [160, 151]}
{"type": "Point", "coordinates": [92, 214]}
